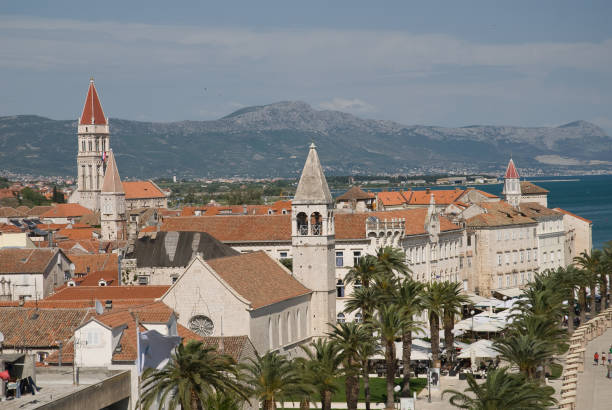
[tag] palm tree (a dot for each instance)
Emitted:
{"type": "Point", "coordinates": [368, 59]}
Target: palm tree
{"type": "Point", "coordinates": [304, 389]}
{"type": "Point", "coordinates": [365, 350]}
{"type": "Point", "coordinates": [193, 374]}
{"type": "Point", "coordinates": [433, 301]}
{"type": "Point", "coordinates": [451, 306]}
{"type": "Point", "coordinates": [590, 264]}
{"type": "Point", "coordinates": [324, 367]}
{"type": "Point", "coordinates": [347, 337]}
{"type": "Point", "coordinates": [272, 378]}
{"type": "Point", "coordinates": [567, 280]}
{"type": "Point", "coordinates": [389, 323]}
{"type": "Point", "coordinates": [410, 302]}
{"type": "Point", "coordinates": [502, 391]}
{"type": "Point", "coordinates": [390, 260]}
{"type": "Point", "coordinates": [362, 299]}
{"type": "Point", "coordinates": [363, 272]}
{"type": "Point", "coordinates": [524, 350]}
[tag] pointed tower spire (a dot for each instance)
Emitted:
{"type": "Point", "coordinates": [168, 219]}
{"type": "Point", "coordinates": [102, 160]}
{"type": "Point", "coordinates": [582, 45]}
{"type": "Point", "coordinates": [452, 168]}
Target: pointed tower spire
{"type": "Point", "coordinates": [312, 188]}
{"type": "Point", "coordinates": [112, 181]}
{"type": "Point", "coordinates": [92, 111]}
{"type": "Point", "coordinates": [511, 171]}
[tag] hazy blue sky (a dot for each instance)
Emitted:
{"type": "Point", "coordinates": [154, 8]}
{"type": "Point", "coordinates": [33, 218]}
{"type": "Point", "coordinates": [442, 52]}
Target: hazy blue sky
{"type": "Point", "coordinates": [449, 63]}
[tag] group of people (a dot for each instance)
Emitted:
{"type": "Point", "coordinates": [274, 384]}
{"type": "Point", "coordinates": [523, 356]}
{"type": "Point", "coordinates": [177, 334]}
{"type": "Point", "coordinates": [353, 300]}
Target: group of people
{"type": "Point", "coordinates": [597, 357]}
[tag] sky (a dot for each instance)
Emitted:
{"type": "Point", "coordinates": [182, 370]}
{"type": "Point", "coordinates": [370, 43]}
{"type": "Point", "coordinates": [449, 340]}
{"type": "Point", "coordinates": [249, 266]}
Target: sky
{"type": "Point", "coordinates": [449, 63]}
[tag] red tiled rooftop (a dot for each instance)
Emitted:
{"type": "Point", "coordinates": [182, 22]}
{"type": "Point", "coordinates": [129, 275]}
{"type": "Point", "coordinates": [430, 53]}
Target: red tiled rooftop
{"type": "Point", "coordinates": [572, 214]}
{"type": "Point", "coordinates": [87, 293]}
{"type": "Point", "coordinates": [141, 190]}
{"type": "Point", "coordinates": [92, 110]}
{"type": "Point", "coordinates": [66, 211]}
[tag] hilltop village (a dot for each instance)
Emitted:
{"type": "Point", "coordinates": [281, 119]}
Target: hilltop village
{"type": "Point", "coordinates": [79, 279]}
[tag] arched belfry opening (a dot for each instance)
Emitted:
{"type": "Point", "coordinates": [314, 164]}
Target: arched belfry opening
{"type": "Point", "coordinates": [302, 223]}
{"type": "Point", "coordinates": [316, 222]}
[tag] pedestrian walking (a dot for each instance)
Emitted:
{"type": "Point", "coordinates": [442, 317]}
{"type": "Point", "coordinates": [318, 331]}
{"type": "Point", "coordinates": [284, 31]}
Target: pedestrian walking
{"type": "Point", "coordinates": [596, 358]}
{"type": "Point", "coordinates": [603, 358]}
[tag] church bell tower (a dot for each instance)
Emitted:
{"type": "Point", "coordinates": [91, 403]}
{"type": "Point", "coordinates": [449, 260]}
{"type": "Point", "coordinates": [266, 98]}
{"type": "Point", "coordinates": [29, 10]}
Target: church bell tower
{"type": "Point", "coordinates": [313, 241]}
{"type": "Point", "coordinates": [512, 185]}
{"type": "Point", "coordinates": [93, 146]}
{"type": "Point", "coordinates": [112, 203]}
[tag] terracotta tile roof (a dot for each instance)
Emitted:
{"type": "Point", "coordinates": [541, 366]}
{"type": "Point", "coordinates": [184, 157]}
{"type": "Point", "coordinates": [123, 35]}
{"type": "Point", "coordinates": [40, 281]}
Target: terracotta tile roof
{"type": "Point", "coordinates": [391, 198]}
{"type": "Point", "coordinates": [102, 293]}
{"type": "Point", "coordinates": [92, 110]}
{"type": "Point", "coordinates": [90, 219]}
{"type": "Point", "coordinates": [79, 225]}
{"type": "Point", "coordinates": [72, 247]}
{"type": "Point", "coordinates": [51, 227]}
{"type": "Point", "coordinates": [23, 209]}
{"type": "Point", "coordinates": [276, 208]}
{"type": "Point", "coordinates": [9, 228]}
{"type": "Point", "coordinates": [258, 278]}
{"type": "Point", "coordinates": [235, 228]}
{"type": "Point", "coordinates": [574, 215]}
{"type": "Point", "coordinates": [7, 193]}
{"type": "Point", "coordinates": [152, 228]}
{"type": "Point", "coordinates": [441, 196]}
{"type": "Point", "coordinates": [93, 278]}
{"type": "Point", "coordinates": [22, 328]}
{"type": "Point", "coordinates": [39, 210]}
{"type": "Point", "coordinates": [511, 171]}
{"type": "Point", "coordinates": [278, 227]}
{"type": "Point", "coordinates": [498, 214]}
{"type": "Point", "coordinates": [355, 193]}
{"type": "Point", "coordinates": [232, 345]}
{"type": "Point", "coordinates": [485, 193]}
{"type": "Point", "coordinates": [187, 335]}
{"type": "Point", "coordinates": [66, 211]}
{"type": "Point", "coordinates": [95, 262]}
{"type": "Point", "coordinates": [36, 260]}
{"type": "Point", "coordinates": [8, 212]}
{"type": "Point", "coordinates": [141, 190]}
{"type": "Point", "coordinates": [529, 188]}
{"type": "Point", "coordinates": [536, 211]}
{"type": "Point", "coordinates": [78, 233]}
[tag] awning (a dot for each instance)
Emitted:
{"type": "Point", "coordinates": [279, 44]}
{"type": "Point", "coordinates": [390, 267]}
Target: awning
{"type": "Point", "coordinates": [510, 292]}
{"type": "Point", "coordinates": [475, 299]}
{"type": "Point", "coordinates": [11, 357]}
{"type": "Point", "coordinates": [480, 349]}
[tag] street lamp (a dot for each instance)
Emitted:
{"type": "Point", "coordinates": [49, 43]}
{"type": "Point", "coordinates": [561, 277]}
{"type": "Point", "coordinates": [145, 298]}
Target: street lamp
{"type": "Point", "coordinates": [472, 329]}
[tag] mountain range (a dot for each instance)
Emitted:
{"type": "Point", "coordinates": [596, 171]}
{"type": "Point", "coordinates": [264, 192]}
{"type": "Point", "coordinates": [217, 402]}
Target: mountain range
{"type": "Point", "coordinates": [272, 140]}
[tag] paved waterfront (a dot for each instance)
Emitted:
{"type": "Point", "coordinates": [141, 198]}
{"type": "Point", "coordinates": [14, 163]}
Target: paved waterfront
{"type": "Point", "coordinates": [594, 389]}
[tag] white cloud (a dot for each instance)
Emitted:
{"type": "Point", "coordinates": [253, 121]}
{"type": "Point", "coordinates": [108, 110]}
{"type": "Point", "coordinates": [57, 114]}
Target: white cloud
{"type": "Point", "coordinates": [354, 105]}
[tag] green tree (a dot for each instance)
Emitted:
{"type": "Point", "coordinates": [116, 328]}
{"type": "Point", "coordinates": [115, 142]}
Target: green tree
{"type": "Point", "coordinates": [272, 377]}
{"type": "Point", "coordinates": [502, 391]}
{"type": "Point", "coordinates": [365, 350]}
{"type": "Point", "coordinates": [324, 367]}
{"type": "Point", "coordinates": [409, 299]}
{"type": "Point", "coordinates": [590, 263]}
{"type": "Point", "coordinates": [452, 304]}
{"type": "Point", "coordinates": [389, 322]}
{"type": "Point", "coordinates": [524, 350]}
{"type": "Point", "coordinates": [362, 299]}
{"type": "Point", "coordinates": [347, 337]}
{"type": "Point", "coordinates": [391, 261]}
{"type": "Point", "coordinates": [58, 196]}
{"type": "Point", "coordinates": [433, 301]}
{"type": "Point", "coordinates": [363, 273]}
{"type": "Point", "coordinates": [192, 375]}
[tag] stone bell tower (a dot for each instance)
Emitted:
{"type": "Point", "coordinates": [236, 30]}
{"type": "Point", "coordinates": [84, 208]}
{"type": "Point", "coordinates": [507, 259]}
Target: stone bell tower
{"type": "Point", "coordinates": [512, 185]}
{"type": "Point", "coordinates": [313, 241]}
{"type": "Point", "coordinates": [93, 146]}
{"type": "Point", "coordinates": [112, 203]}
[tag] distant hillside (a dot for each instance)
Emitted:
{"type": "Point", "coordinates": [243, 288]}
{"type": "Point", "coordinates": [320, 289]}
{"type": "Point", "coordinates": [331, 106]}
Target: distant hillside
{"type": "Point", "coordinates": [271, 140]}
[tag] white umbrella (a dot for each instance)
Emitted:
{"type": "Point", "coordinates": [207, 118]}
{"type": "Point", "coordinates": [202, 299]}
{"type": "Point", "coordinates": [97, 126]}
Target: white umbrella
{"type": "Point", "coordinates": [417, 352]}
{"type": "Point", "coordinates": [480, 349]}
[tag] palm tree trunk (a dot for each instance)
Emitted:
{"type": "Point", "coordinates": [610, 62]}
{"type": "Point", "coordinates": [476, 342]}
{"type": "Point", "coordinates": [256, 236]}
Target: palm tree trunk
{"type": "Point", "coordinates": [366, 383]}
{"type": "Point", "coordinates": [406, 353]}
{"type": "Point", "coordinates": [571, 314]}
{"type": "Point", "coordinates": [326, 397]}
{"type": "Point", "coordinates": [582, 302]}
{"type": "Point", "coordinates": [390, 359]}
{"type": "Point", "coordinates": [434, 328]}
{"type": "Point", "coordinates": [604, 292]}
{"type": "Point", "coordinates": [593, 303]}
{"type": "Point", "coordinates": [352, 390]}
{"type": "Point", "coordinates": [269, 404]}
{"type": "Point", "coordinates": [449, 338]}
{"type": "Point", "coordinates": [304, 404]}
{"type": "Point", "coordinates": [194, 401]}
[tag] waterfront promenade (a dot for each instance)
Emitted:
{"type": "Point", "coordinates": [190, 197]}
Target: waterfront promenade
{"type": "Point", "coordinates": [594, 389]}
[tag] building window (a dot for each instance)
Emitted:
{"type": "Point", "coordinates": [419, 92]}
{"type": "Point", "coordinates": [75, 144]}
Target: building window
{"type": "Point", "coordinates": [356, 257]}
{"type": "Point", "coordinates": [514, 257]}
{"type": "Point", "coordinates": [522, 277]}
{"type": "Point", "coordinates": [544, 257]}
{"type": "Point", "coordinates": [283, 255]}
{"type": "Point", "coordinates": [93, 338]}
{"type": "Point", "coordinates": [507, 259]}
{"type": "Point", "coordinates": [535, 254]}
{"type": "Point", "coordinates": [340, 288]}
{"type": "Point", "coordinates": [499, 259]}
{"type": "Point", "coordinates": [522, 257]}
{"type": "Point", "coordinates": [508, 280]}
{"type": "Point", "coordinates": [461, 262]}
{"type": "Point", "coordinates": [500, 281]}
{"type": "Point", "coordinates": [357, 284]}
{"type": "Point", "coordinates": [515, 278]}
{"type": "Point", "coordinates": [528, 255]}
{"type": "Point", "coordinates": [90, 148]}
{"type": "Point", "coordinates": [341, 318]}
{"type": "Point", "coordinates": [499, 235]}
{"type": "Point", "coordinates": [143, 280]}
{"type": "Point", "coordinates": [339, 259]}
{"type": "Point", "coordinates": [358, 318]}
{"type": "Point", "coordinates": [469, 240]}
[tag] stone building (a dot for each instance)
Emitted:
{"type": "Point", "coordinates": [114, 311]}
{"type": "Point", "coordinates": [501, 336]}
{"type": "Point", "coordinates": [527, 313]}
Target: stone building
{"type": "Point", "coordinates": [578, 235]}
{"type": "Point", "coordinates": [355, 200]}
{"type": "Point", "coordinates": [143, 194]}
{"type": "Point", "coordinates": [27, 274]}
